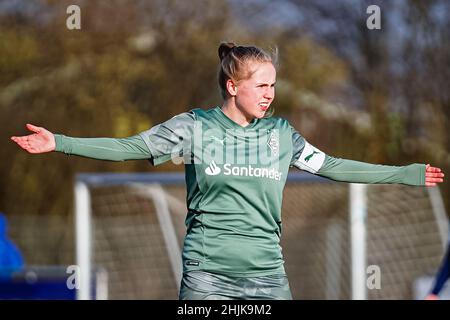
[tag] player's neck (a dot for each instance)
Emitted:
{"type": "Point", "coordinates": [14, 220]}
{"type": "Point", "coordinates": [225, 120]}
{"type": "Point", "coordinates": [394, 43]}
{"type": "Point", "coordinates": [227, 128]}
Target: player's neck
{"type": "Point", "coordinates": [230, 109]}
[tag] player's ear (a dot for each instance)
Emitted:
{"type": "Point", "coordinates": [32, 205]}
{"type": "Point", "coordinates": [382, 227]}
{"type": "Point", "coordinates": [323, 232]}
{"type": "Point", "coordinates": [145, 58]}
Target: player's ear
{"type": "Point", "coordinates": [231, 87]}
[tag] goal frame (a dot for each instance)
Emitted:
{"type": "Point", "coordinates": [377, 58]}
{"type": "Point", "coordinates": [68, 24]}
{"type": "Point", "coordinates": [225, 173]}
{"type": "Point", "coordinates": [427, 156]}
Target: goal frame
{"type": "Point", "coordinates": [356, 216]}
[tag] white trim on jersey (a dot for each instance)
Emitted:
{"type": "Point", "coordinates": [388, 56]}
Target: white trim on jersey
{"type": "Point", "coordinates": [311, 159]}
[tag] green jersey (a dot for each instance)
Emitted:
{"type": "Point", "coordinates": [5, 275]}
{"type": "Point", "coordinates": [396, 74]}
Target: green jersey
{"type": "Point", "coordinates": [235, 178]}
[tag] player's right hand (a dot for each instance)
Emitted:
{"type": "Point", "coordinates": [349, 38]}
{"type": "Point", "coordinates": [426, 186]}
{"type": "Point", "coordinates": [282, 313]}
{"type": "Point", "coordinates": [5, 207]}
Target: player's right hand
{"type": "Point", "coordinates": [40, 141]}
{"type": "Point", "coordinates": [432, 297]}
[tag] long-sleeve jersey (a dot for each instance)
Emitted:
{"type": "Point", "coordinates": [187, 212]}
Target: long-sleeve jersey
{"type": "Point", "coordinates": [235, 178]}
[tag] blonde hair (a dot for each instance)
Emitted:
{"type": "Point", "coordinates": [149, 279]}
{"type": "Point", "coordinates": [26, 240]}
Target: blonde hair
{"type": "Point", "coordinates": [234, 61]}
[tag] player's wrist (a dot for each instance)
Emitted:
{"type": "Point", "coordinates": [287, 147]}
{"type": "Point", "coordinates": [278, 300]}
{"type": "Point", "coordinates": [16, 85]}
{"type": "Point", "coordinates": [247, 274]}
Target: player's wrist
{"type": "Point", "coordinates": [414, 174]}
{"type": "Point", "coordinates": [58, 142]}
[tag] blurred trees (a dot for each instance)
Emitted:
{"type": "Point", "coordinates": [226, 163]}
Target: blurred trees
{"type": "Point", "coordinates": [399, 75]}
{"type": "Point", "coordinates": [115, 77]}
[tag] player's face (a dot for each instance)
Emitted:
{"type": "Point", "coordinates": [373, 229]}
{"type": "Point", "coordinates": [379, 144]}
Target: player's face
{"type": "Point", "coordinates": [255, 94]}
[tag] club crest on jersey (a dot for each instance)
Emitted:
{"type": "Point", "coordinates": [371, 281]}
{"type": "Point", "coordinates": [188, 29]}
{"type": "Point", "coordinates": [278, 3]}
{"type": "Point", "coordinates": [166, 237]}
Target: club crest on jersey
{"type": "Point", "coordinates": [273, 142]}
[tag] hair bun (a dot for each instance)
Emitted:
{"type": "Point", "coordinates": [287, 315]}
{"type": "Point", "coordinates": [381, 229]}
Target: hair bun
{"type": "Point", "coordinates": [225, 48]}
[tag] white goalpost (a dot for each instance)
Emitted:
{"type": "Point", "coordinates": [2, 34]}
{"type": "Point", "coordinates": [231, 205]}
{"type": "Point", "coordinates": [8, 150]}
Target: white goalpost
{"type": "Point", "coordinates": [83, 239]}
{"type": "Point", "coordinates": [142, 184]}
{"type": "Point", "coordinates": [358, 214]}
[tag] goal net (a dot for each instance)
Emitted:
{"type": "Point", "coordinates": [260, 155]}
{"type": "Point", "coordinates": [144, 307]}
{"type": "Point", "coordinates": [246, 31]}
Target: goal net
{"type": "Point", "coordinates": [132, 226]}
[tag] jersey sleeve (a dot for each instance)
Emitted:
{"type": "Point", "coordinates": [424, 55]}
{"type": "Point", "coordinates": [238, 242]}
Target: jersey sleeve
{"type": "Point", "coordinates": [112, 149]}
{"type": "Point", "coordinates": [309, 158]}
{"type": "Point", "coordinates": [361, 172]}
{"type": "Point", "coordinates": [158, 144]}
{"type": "Point", "coordinates": [170, 139]}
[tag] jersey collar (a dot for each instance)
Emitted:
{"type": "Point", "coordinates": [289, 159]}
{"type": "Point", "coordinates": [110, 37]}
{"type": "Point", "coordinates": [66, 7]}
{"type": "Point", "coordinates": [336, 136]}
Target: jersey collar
{"type": "Point", "coordinates": [223, 118]}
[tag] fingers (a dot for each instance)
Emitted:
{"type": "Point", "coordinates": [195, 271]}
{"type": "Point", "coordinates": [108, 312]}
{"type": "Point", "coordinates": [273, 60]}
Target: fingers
{"type": "Point", "coordinates": [434, 175]}
{"type": "Point", "coordinates": [33, 128]}
{"type": "Point", "coordinates": [22, 142]}
{"type": "Point", "coordinates": [432, 169]}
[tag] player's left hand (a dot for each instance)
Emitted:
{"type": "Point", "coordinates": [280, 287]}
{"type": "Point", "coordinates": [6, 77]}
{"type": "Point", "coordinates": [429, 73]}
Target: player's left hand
{"type": "Point", "coordinates": [433, 176]}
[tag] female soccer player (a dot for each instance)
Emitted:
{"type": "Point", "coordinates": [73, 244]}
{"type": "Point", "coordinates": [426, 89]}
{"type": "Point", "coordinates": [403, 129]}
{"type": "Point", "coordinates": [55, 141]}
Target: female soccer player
{"type": "Point", "coordinates": [236, 160]}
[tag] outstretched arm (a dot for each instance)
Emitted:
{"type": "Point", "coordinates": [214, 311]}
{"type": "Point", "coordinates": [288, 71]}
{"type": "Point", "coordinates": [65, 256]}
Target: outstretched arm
{"type": "Point", "coordinates": [158, 144]}
{"type": "Point", "coordinates": [309, 158]}
{"type": "Point", "coordinates": [42, 141]}
{"type": "Point", "coordinates": [361, 172]}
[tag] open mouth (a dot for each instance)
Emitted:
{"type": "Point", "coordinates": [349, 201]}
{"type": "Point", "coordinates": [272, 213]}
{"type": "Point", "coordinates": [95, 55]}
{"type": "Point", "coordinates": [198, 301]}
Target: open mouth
{"type": "Point", "coordinates": [264, 106]}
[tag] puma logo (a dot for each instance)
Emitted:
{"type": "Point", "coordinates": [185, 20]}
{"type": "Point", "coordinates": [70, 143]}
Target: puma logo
{"type": "Point", "coordinates": [310, 156]}
{"type": "Point", "coordinates": [221, 141]}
